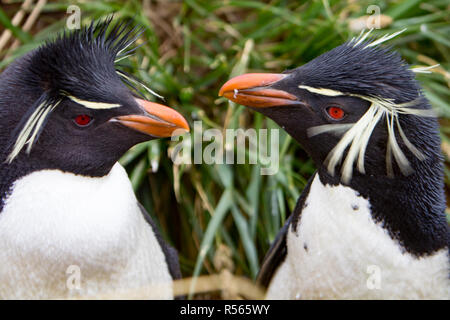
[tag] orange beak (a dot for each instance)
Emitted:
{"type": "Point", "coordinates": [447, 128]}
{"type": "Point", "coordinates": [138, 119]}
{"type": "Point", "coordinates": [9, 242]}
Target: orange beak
{"type": "Point", "coordinates": [253, 90]}
{"type": "Point", "coordinates": [160, 122]}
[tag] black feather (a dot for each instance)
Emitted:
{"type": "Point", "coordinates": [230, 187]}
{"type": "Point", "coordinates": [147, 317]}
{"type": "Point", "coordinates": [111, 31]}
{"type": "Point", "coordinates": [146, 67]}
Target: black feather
{"type": "Point", "coordinates": [367, 71]}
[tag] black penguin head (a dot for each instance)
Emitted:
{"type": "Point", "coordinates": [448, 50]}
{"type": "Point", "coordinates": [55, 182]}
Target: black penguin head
{"type": "Point", "coordinates": [360, 115]}
{"type": "Point", "coordinates": [356, 109]}
{"type": "Point", "coordinates": [66, 106]}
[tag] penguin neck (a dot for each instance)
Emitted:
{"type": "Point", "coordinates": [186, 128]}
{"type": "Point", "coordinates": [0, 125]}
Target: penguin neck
{"type": "Point", "coordinates": [411, 208]}
{"type": "Point", "coordinates": [8, 174]}
{"type": "Point", "coordinates": [11, 172]}
{"type": "Point", "coordinates": [23, 166]}
{"type": "Point", "coordinates": [54, 194]}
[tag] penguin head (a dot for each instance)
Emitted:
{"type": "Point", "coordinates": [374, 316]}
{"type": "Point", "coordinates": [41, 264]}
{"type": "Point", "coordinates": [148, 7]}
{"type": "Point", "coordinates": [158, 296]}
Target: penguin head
{"type": "Point", "coordinates": [356, 109]}
{"type": "Point", "coordinates": [66, 105]}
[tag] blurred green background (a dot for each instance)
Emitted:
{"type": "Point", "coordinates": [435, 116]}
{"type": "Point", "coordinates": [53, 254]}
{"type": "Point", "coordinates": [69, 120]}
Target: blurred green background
{"type": "Point", "coordinates": [231, 213]}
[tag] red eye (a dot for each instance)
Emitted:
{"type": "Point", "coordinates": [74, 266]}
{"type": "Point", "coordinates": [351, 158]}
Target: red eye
{"type": "Point", "coordinates": [336, 113]}
{"type": "Point", "coordinates": [83, 120]}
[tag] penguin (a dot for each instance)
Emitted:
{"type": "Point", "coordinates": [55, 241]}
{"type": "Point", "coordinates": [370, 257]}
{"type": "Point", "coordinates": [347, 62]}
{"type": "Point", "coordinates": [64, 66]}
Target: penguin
{"type": "Point", "coordinates": [70, 223]}
{"type": "Point", "coordinates": [370, 223]}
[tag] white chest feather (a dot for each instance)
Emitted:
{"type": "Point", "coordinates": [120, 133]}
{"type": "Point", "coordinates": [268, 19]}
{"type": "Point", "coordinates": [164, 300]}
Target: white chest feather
{"type": "Point", "coordinates": [64, 235]}
{"type": "Point", "coordinates": [339, 252]}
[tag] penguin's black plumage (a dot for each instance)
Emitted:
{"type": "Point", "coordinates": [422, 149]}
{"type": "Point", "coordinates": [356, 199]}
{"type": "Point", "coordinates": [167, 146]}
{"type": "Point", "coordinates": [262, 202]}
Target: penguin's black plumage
{"type": "Point", "coordinates": [371, 221]}
{"type": "Point", "coordinates": [67, 115]}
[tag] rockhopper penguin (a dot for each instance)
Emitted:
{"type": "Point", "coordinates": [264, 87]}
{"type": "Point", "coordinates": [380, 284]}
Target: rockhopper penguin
{"type": "Point", "coordinates": [67, 208]}
{"type": "Point", "coordinates": [371, 221]}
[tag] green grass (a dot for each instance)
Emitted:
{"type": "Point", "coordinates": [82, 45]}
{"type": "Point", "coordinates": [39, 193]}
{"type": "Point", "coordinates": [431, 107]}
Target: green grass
{"type": "Point", "coordinates": [191, 49]}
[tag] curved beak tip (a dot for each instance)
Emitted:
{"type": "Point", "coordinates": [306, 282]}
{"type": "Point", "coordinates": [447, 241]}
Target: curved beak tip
{"type": "Point", "coordinates": [160, 121]}
{"type": "Point", "coordinates": [222, 89]}
{"type": "Point", "coordinates": [183, 125]}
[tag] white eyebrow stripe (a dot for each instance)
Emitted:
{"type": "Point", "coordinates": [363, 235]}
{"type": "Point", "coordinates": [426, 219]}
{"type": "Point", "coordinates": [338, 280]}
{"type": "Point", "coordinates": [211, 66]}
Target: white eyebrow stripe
{"type": "Point", "coordinates": [25, 132]}
{"type": "Point", "coordinates": [42, 117]}
{"type": "Point", "coordinates": [94, 105]}
{"type": "Point", "coordinates": [337, 128]}
{"type": "Point", "coordinates": [362, 37]}
{"type": "Point", "coordinates": [30, 130]}
{"type": "Point", "coordinates": [385, 38]}
{"type": "Point", "coordinates": [322, 91]}
{"type": "Point", "coordinates": [424, 69]}
{"type": "Point", "coordinates": [134, 81]}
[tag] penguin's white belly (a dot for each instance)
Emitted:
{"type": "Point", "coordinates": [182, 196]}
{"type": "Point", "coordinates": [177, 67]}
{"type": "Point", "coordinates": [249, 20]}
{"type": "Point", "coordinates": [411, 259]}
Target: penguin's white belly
{"type": "Point", "coordinates": [63, 235]}
{"type": "Point", "coordinates": [339, 252]}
